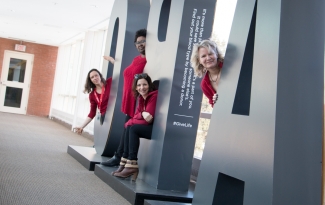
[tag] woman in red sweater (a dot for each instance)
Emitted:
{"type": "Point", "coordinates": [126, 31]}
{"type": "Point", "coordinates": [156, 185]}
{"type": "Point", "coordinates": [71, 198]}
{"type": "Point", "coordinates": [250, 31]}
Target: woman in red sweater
{"type": "Point", "coordinates": [207, 61]}
{"type": "Point", "coordinates": [137, 66]}
{"type": "Point", "coordinates": [139, 126]}
{"type": "Point", "coordinates": [96, 85]}
{"type": "Point", "coordinates": [128, 99]}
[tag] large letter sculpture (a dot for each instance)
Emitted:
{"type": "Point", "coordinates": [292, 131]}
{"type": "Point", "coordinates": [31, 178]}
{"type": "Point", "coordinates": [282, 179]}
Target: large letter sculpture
{"type": "Point", "coordinates": [165, 160]}
{"type": "Point", "coordinates": [173, 27]}
{"type": "Point", "coordinates": [127, 17]}
{"type": "Point", "coordinates": [265, 147]}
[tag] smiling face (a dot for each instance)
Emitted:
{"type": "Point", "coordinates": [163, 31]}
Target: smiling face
{"type": "Point", "coordinates": [208, 58]}
{"type": "Point", "coordinates": [140, 44]}
{"type": "Point", "coordinates": [143, 87]}
{"type": "Point", "coordinates": [95, 77]}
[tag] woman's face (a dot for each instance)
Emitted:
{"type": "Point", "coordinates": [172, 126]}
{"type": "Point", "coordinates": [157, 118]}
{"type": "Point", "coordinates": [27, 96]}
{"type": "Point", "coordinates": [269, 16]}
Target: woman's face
{"type": "Point", "coordinates": [140, 44]}
{"type": "Point", "coordinates": [95, 77]}
{"type": "Point", "coordinates": [143, 87]}
{"type": "Point", "coordinates": [208, 58]}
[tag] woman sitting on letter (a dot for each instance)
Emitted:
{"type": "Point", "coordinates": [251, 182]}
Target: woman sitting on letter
{"type": "Point", "coordinates": [139, 126]}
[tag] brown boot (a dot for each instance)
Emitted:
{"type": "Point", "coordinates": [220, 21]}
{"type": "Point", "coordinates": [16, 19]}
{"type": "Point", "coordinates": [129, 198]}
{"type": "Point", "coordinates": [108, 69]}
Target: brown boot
{"type": "Point", "coordinates": [121, 167]}
{"type": "Point", "coordinates": [131, 168]}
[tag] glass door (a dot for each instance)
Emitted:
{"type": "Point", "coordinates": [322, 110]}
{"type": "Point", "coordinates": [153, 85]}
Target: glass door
{"type": "Point", "coordinates": [15, 81]}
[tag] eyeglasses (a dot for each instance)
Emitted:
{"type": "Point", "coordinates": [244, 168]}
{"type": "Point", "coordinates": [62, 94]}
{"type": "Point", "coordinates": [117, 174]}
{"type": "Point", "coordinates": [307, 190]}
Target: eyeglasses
{"type": "Point", "coordinates": [139, 42]}
{"type": "Point", "coordinates": [141, 75]}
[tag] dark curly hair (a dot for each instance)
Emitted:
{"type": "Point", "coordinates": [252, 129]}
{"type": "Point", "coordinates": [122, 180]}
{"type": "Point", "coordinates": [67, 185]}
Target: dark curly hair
{"type": "Point", "coordinates": [141, 32]}
{"type": "Point", "coordinates": [137, 77]}
{"type": "Point", "coordinates": [89, 86]}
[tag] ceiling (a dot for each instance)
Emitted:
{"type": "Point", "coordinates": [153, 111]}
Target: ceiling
{"type": "Point", "coordinates": [52, 22]}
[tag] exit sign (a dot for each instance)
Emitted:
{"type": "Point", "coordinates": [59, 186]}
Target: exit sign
{"type": "Point", "coordinates": [19, 47]}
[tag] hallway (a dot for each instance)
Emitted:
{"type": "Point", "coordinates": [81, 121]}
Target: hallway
{"type": "Point", "coordinates": [36, 169]}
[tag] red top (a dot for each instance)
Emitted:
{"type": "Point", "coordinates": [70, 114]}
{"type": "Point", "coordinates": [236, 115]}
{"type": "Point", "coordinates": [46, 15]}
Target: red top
{"type": "Point", "coordinates": [128, 100]}
{"type": "Point", "coordinates": [148, 105]}
{"type": "Point", "coordinates": [94, 101]}
{"type": "Point", "coordinates": [207, 88]}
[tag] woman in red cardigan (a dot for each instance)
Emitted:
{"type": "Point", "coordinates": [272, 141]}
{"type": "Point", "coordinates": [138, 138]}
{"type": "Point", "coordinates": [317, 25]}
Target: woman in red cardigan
{"type": "Point", "coordinates": [139, 126]}
{"type": "Point", "coordinates": [137, 66]}
{"type": "Point", "coordinates": [128, 100]}
{"type": "Point", "coordinates": [96, 85]}
{"type": "Point", "coordinates": [207, 61]}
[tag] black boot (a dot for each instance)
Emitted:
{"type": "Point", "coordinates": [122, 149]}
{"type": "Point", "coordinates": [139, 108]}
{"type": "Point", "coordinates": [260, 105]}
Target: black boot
{"type": "Point", "coordinates": [112, 162]}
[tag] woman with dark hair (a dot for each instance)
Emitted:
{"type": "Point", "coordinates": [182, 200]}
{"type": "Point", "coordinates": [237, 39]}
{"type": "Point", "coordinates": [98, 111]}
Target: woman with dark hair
{"type": "Point", "coordinates": [137, 66]}
{"type": "Point", "coordinates": [139, 126]}
{"type": "Point", "coordinates": [98, 90]}
{"type": "Point", "coordinates": [128, 100]}
{"type": "Point", "coordinates": [207, 62]}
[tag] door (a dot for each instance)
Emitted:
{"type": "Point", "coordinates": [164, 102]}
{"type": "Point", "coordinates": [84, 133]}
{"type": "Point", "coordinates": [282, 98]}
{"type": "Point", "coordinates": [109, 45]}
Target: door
{"type": "Point", "coordinates": [15, 81]}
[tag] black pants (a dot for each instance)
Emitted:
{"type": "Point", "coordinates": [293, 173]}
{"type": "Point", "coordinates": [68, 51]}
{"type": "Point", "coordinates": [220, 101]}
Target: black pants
{"type": "Point", "coordinates": [120, 149]}
{"type": "Point", "coordinates": [130, 141]}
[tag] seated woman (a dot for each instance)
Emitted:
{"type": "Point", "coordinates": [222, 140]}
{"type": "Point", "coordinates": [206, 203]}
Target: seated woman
{"type": "Point", "coordinates": [207, 61]}
{"type": "Point", "coordinates": [96, 85]}
{"type": "Point", "coordinates": [139, 126]}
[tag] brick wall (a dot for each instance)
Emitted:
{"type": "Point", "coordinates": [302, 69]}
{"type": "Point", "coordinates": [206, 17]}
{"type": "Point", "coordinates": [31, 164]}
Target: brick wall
{"type": "Point", "coordinates": [42, 74]}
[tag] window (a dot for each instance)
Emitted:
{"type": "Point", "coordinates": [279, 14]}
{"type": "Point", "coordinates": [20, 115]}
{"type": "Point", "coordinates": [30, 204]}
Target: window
{"type": "Point", "coordinates": [69, 103]}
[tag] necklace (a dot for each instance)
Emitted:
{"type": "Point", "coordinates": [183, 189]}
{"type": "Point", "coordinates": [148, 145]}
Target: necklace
{"type": "Point", "coordinates": [214, 81]}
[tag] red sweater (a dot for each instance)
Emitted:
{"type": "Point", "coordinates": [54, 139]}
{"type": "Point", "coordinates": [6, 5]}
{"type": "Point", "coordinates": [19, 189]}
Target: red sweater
{"type": "Point", "coordinates": [207, 88]}
{"type": "Point", "coordinates": [148, 105]}
{"type": "Point", "coordinates": [94, 102]}
{"type": "Point", "coordinates": [128, 100]}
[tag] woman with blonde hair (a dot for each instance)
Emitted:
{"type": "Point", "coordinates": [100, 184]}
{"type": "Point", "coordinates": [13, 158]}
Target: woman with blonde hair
{"type": "Point", "coordinates": [207, 63]}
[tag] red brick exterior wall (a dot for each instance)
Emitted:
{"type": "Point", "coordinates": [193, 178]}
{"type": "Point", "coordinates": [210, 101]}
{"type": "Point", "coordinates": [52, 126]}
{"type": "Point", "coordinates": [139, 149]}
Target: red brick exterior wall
{"type": "Point", "coordinates": [43, 72]}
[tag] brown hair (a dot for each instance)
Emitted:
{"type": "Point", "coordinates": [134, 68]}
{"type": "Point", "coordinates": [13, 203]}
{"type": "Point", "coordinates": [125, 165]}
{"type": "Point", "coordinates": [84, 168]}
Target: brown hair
{"type": "Point", "coordinates": [137, 77]}
{"type": "Point", "coordinates": [89, 86]}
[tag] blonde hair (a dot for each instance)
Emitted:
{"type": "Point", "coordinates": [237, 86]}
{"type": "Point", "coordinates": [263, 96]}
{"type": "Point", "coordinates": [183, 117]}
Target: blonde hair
{"type": "Point", "coordinates": [199, 70]}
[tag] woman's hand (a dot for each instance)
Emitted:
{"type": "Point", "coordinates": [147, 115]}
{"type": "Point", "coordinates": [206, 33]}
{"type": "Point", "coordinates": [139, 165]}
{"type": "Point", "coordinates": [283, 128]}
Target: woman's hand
{"type": "Point", "coordinates": [78, 130]}
{"type": "Point", "coordinates": [109, 58]}
{"type": "Point", "coordinates": [215, 98]}
{"type": "Point", "coordinates": [147, 117]}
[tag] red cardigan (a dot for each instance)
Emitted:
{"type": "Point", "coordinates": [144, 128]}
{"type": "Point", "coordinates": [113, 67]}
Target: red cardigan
{"type": "Point", "coordinates": [207, 88]}
{"type": "Point", "coordinates": [128, 100]}
{"type": "Point", "coordinates": [94, 103]}
{"type": "Point", "coordinates": [148, 105]}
